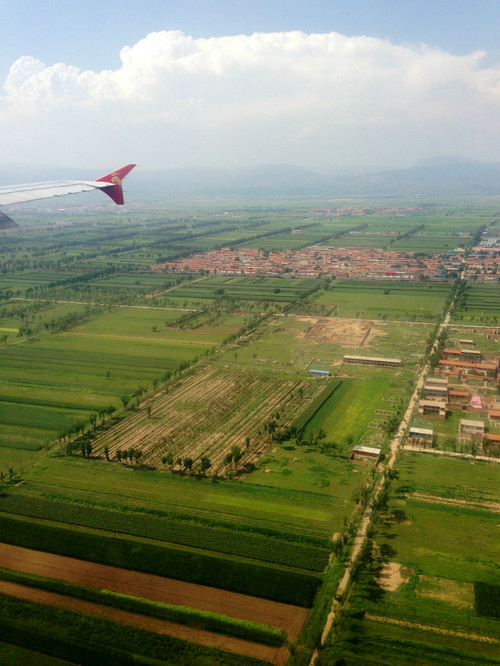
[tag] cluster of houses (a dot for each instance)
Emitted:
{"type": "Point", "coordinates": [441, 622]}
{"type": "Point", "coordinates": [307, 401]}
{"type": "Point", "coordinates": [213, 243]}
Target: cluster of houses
{"type": "Point", "coordinates": [468, 369]}
{"type": "Point", "coordinates": [359, 211]}
{"type": "Point", "coordinates": [483, 264]}
{"type": "Point", "coordinates": [317, 260]}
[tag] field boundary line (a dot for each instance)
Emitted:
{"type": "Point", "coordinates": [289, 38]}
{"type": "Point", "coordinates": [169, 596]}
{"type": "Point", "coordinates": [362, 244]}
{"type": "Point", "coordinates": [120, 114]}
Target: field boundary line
{"type": "Point", "coordinates": [428, 627]}
{"type": "Point", "coordinates": [435, 499]}
{"type": "Point", "coordinates": [450, 454]}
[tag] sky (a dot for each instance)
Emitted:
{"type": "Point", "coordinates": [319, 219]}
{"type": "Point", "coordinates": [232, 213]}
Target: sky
{"type": "Point", "coordinates": [323, 84]}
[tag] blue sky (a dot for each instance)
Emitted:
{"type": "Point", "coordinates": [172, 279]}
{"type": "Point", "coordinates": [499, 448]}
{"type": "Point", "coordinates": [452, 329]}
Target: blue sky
{"type": "Point", "coordinates": [90, 33]}
{"type": "Point", "coordinates": [88, 36]}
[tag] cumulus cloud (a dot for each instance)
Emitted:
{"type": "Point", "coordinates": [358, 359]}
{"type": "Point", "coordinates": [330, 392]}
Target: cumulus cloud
{"type": "Point", "coordinates": [269, 97]}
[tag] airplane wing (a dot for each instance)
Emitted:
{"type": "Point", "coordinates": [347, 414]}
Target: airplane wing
{"type": "Point", "coordinates": [111, 184]}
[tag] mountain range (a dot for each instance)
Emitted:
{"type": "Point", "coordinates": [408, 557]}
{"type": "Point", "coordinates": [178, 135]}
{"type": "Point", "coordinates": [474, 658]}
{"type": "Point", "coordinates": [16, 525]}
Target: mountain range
{"type": "Point", "coordinates": [439, 176]}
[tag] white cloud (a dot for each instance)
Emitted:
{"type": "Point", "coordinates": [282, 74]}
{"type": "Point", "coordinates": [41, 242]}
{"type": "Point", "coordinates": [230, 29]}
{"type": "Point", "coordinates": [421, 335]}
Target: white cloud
{"type": "Point", "coordinates": [273, 97]}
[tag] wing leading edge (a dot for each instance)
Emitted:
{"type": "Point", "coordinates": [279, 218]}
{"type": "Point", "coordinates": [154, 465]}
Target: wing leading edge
{"type": "Point", "coordinates": [111, 184]}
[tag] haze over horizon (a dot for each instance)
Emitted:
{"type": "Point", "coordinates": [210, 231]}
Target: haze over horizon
{"type": "Point", "coordinates": [169, 85]}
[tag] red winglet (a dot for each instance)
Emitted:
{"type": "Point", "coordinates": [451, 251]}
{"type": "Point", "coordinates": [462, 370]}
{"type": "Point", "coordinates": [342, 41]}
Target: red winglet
{"type": "Point", "coordinates": [115, 179]}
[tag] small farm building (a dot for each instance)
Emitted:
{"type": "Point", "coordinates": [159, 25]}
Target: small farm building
{"type": "Point", "coordinates": [436, 381]}
{"type": "Point", "coordinates": [458, 396]}
{"type": "Point", "coordinates": [494, 414]}
{"type": "Point", "coordinates": [369, 452]}
{"type": "Point", "coordinates": [373, 360]}
{"type": "Point", "coordinates": [433, 408]}
{"type": "Point", "coordinates": [472, 355]}
{"type": "Point", "coordinates": [319, 373]}
{"type": "Point", "coordinates": [476, 402]}
{"type": "Point", "coordinates": [436, 388]}
{"type": "Point", "coordinates": [471, 429]}
{"type": "Point", "coordinates": [427, 433]}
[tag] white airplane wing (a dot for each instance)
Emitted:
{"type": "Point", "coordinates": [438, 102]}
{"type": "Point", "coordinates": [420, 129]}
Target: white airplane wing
{"type": "Point", "coordinates": [111, 184]}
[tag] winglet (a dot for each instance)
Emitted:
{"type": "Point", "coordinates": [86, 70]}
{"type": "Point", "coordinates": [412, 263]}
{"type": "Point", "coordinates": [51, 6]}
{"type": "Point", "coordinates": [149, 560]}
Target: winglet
{"type": "Point", "coordinates": [115, 179]}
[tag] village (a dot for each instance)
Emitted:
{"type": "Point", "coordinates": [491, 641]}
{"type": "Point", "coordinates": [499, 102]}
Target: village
{"type": "Point", "coordinates": [319, 260]}
{"type": "Point", "coordinates": [463, 383]}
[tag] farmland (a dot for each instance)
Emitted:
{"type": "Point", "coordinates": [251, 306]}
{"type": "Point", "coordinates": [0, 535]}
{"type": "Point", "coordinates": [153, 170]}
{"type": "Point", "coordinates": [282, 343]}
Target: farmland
{"type": "Point", "coordinates": [166, 425]}
{"type": "Point", "coordinates": [211, 409]}
{"type": "Point", "coordinates": [480, 304]}
{"type": "Point", "coordinates": [385, 300]}
{"type": "Point", "coordinates": [436, 516]}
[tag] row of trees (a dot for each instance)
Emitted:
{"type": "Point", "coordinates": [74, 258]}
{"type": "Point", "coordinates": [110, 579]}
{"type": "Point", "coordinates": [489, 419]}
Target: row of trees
{"type": "Point", "coordinates": [187, 463]}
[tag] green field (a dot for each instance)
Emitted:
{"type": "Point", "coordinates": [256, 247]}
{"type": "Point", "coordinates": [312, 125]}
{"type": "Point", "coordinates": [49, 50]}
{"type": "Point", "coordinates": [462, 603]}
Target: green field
{"type": "Point", "coordinates": [348, 411]}
{"type": "Point", "coordinates": [480, 304]}
{"type": "Point", "coordinates": [120, 384]}
{"type": "Point", "coordinates": [439, 511]}
{"type": "Point", "coordinates": [409, 301]}
{"type": "Point", "coordinates": [280, 290]}
{"type": "Point", "coordinates": [155, 489]}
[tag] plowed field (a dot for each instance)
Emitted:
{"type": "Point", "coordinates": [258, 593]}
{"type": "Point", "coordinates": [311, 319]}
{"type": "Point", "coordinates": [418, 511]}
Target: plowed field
{"type": "Point", "coordinates": [275, 614]}
{"type": "Point", "coordinates": [277, 656]}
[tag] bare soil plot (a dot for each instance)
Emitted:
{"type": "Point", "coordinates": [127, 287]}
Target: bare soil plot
{"type": "Point", "coordinates": [277, 656]}
{"type": "Point", "coordinates": [286, 617]}
{"type": "Point", "coordinates": [351, 332]}
{"type": "Point", "coordinates": [392, 575]}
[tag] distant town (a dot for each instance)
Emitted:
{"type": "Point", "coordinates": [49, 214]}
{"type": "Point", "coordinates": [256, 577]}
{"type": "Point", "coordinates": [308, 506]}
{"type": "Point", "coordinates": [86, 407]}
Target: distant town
{"type": "Point", "coordinates": [481, 264]}
{"type": "Point", "coordinates": [341, 262]}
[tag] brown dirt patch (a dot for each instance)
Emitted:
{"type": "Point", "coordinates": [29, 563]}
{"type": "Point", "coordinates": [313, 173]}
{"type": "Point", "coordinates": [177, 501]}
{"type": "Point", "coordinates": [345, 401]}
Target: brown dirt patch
{"type": "Point", "coordinates": [227, 643]}
{"type": "Point", "coordinates": [354, 332]}
{"type": "Point", "coordinates": [286, 617]}
{"type": "Point", "coordinates": [392, 575]}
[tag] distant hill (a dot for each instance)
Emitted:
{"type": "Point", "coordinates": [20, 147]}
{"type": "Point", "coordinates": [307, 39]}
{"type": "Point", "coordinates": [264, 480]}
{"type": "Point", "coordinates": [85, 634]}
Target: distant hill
{"type": "Point", "coordinates": [438, 176]}
{"type": "Point", "coordinates": [279, 179]}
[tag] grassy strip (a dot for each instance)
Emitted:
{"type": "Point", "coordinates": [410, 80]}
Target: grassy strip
{"type": "Point", "coordinates": [91, 640]}
{"type": "Point", "coordinates": [173, 530]}
{"type": "Point", "coordinates": [304, 417]}
{"type": "Point", "coordinates": [182, 513]}
{"type": "Point", "coordinates": [257, 580]}
{"type": "Point", "coordinates": [191, 617]}
{"type": "Point", "coordinates": [22, 445]}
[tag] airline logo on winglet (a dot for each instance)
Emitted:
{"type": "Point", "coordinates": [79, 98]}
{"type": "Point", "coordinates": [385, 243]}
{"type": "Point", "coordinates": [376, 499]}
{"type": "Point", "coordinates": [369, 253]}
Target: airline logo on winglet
{"type": "Point", "coordinates": [115, 179]}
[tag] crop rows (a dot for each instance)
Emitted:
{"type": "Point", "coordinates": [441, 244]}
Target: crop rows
{"type": "Point", "coordinates": [174, 530]}
{"type": "Point", "coordinates": [207, 414]}
{"type": "Point", "coordinates": [92, 640]}
{"type": "Point", "coordinates": [257, 579]}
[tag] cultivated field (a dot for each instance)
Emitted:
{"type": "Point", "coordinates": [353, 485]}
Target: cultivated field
{"type": "Point", "coordinates": [428, 602]}
{"type": "Point", "coordinates": [206, 415]}
{"type": "Point", "coordinates": [385, 300]}
{"type": "Point", "coordinates": [163, 433]}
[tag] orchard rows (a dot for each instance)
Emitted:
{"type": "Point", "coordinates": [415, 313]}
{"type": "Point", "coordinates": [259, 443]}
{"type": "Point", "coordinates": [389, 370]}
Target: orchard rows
{"type": "Point", "coordinates": [206, 415]}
